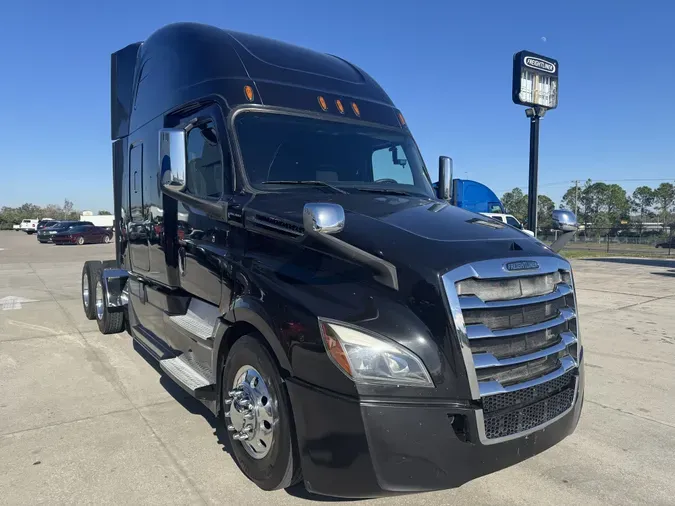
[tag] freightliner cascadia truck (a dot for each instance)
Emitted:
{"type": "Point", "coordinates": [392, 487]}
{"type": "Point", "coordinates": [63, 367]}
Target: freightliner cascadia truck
{"type": "Point", "coordinates": [281, 253]}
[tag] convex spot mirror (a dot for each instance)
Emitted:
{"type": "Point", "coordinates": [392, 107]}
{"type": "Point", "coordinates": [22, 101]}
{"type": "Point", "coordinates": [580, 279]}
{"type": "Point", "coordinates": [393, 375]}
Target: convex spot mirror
{"type": "Point", "coordinates": [565, 220]}
{"type": "Point", "coordinates": [172, 158]}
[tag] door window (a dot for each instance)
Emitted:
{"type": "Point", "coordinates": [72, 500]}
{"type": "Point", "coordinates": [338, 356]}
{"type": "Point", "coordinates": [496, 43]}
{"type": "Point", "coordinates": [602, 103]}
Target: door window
{"type": "Point", "coordinates": [205, 171]}
{"type": "Point", "coordinates": [390, 163]}
{"type": "Point", "coordinates": [513, 222]}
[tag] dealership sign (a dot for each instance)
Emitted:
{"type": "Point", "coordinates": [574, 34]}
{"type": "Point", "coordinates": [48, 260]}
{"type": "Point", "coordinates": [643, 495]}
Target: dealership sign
{"type": "Point", "coordinates": [535, 80]}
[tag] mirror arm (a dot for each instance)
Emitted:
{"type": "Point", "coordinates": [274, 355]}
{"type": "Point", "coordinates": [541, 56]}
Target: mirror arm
{"type": "Point", "coordinates": [385, 272]}
{"type": "Point", "coordinates": [562, 241]}
{"type": "Point", "coordinates": [215, 210]}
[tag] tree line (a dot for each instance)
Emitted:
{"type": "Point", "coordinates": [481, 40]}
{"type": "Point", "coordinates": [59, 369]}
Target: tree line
{"type": "Point", "coordinates": [602, 205]}
{"type": "Point", "coordinates": [14, 215]}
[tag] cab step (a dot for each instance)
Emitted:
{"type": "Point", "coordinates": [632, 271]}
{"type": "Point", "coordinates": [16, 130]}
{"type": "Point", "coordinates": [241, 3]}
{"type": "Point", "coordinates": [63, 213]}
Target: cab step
{"type": "Point", "coordinates": [199, 320]}
{"type": "Point", "coordinates": [189, 377]}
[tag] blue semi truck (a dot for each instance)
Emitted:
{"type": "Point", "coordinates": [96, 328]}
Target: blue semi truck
{"type": "Point", "coordinates": [474, 196]}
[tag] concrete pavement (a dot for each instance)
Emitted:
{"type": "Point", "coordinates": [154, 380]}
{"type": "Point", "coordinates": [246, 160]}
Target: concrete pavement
{"type": "Point", "coordinates": [86, 418]}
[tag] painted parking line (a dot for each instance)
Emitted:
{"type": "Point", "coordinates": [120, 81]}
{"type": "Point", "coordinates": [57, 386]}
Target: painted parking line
{"type": "Point", "coordinates": [12, 302]}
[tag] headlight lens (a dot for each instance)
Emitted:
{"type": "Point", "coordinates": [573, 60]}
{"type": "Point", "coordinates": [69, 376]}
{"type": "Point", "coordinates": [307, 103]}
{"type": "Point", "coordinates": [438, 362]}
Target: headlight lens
{"type": "Point", "coordinates": [366, 358]}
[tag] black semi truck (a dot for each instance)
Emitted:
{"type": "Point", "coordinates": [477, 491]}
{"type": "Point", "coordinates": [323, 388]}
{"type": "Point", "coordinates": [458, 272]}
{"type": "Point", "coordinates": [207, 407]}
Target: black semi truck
{"type": "Point", "coordinates": [280, 251]}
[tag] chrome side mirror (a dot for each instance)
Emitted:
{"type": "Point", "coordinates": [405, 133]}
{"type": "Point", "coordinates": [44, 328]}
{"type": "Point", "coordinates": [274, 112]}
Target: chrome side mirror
{"type": "Point", "coordinates": [565, 220]}
{"type": "Point", "coordinates": [172, 158]}
{"type": "Point", "coordinates": [444, 177]}
{"type": "Point", "coordinates": [323, 218]}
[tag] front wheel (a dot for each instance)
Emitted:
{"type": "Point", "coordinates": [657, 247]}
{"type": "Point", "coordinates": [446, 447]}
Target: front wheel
{"type": "Point", "coordinates": [106, 239]}
{"type": "Point", "coordinates": [80, 241]}
{"type": "Point", "coordinates": [258, 416]}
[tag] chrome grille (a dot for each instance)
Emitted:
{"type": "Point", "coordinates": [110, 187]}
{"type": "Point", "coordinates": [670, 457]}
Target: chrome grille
{"type": "Point", "coordinates": [519, 340]}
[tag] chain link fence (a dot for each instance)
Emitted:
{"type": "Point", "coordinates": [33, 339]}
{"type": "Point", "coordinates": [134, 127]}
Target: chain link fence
{"type": "Point", "coordinates": [624, 241]}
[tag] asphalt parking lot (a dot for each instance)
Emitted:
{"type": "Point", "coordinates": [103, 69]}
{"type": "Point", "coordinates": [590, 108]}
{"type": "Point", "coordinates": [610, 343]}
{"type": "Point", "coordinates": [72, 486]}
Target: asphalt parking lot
{"type": "Point", "coordinates": [85, 418]}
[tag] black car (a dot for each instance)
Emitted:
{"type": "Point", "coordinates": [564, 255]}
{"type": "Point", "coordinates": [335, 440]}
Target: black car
{"type": "Point", "coordinates": [46, 234]}
{"type": "Point", "coordinates": [669, 243]}
{"type": "Point", "coordinates": [82, 233]}
{"type": "Point", "coordinates": [45, 223]}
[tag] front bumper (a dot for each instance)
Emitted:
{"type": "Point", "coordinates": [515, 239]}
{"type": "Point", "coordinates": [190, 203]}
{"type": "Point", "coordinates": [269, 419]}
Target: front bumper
{"type": "Point", "coordinates": [63, 240]}
{"type": "Point", "coordinates": [370, 448]}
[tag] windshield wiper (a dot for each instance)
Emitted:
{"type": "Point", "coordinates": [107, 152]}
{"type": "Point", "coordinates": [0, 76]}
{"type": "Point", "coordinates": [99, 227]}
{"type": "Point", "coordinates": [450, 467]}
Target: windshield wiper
{"type": "Point", "coordinates": [308, 183]}
{"type": "Point", "coordinates": [388, 191]}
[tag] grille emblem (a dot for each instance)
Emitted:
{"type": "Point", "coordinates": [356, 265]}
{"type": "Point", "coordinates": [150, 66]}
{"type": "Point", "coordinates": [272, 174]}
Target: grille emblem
{"type": "Point", "coordinates": [522, 265]}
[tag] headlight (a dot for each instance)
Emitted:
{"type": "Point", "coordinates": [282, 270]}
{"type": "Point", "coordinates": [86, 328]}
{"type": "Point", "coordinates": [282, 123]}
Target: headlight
{"type": "Point", "coordinates": [367, 358]}
{"type": "Point", "coordinates": [52, 232]}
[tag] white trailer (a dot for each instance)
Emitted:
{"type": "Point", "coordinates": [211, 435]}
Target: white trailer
{"type": "Point", "coordinates": [100, 220]}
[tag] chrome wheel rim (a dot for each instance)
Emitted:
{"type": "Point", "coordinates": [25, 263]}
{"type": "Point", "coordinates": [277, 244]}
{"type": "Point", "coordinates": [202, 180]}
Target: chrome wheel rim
{"type": "Point", "coordinates": [80, 240]}
{"type": "Point", "coordinates": [85, 290]}
{"type": "Point", "coordinates": [99, 300]}
{"type": "Point", "coordinates": [252, 413]}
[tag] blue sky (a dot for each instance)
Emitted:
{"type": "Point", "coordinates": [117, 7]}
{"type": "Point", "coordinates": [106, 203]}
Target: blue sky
{"type": "Point", "coordinates": [446, 65]}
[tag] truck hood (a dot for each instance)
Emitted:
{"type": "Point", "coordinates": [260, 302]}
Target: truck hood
{"type": "Point", "coordinates": [410, 232]}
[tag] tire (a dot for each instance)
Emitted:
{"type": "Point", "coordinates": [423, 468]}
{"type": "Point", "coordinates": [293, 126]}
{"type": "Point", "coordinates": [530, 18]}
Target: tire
{"type": "Point", "coordinates": [108, 322]}
{"type": "Point", "coordinates": [280, 467]}
{"type": "Point", "coordinates": [107, 239]}
{"type": "Point", "coordinates": [80, 240]}
{"type": "Point", "coordinates": [91, 270]}
{"type": "Point", "coordinates": [109, 264]}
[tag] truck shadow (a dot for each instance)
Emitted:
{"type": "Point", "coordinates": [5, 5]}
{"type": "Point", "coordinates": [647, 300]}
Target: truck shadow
{"type": "Point", "coordinates": [195, 407]}
{"type": "Point", "coordinates": [669, 274]}
{"type": "Point", "coordinates": [188, 402]}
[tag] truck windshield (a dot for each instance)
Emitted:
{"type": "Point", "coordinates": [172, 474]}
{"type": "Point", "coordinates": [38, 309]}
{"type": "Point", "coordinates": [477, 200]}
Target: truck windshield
{"type": "Point", "coordinates": [280, 150]}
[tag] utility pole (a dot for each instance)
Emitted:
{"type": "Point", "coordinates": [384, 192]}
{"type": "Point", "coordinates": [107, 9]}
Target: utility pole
{"type": "Point", "coordinates": [576, 197]}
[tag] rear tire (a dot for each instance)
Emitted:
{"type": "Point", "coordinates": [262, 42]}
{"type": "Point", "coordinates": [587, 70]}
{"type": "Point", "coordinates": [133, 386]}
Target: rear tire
{"type": "Point", "coordinates": [108, 322]}
{"type": "Point", "coordinates": [90, 272]}
{"type": "Point", "coordinates": [280, 466]}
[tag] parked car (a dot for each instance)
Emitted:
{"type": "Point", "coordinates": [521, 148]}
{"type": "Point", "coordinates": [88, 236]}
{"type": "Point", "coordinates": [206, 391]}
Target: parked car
{"type": "Point", "coordinates": [29, 226]}
{"type": "Point", "coordinates": [16, 228]}
{"type": "Point", "coordinates": [44, 223]}
{"type": "Point", "coordinates": [81, 234]}
{"type": "Point", "coordinates": [47, 233]}
{"type": "Point", "coordinates": [669, 243]}
{"type": "Point", "coordinates": [509, 219]}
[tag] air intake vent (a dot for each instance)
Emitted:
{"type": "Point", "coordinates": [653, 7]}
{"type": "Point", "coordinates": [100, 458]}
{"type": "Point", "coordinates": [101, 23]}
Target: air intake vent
{"type": "Point", "coordinates": [274, 225]}
{"type": "Point", "coordinates": [235, 215]}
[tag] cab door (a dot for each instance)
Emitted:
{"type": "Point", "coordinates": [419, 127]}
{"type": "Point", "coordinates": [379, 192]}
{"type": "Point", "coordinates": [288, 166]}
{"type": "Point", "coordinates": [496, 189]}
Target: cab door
{"type": "Point", "coordinates": [202, 239]}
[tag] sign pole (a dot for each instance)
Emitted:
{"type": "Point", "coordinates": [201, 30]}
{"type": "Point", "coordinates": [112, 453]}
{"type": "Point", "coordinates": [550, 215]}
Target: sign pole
{"type": "Point", "coordinates": [532, 192]}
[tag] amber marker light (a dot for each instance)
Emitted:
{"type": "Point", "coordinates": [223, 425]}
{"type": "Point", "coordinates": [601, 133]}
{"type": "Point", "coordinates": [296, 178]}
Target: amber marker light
{"type": "Point", "coordinates": [248, 91]}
